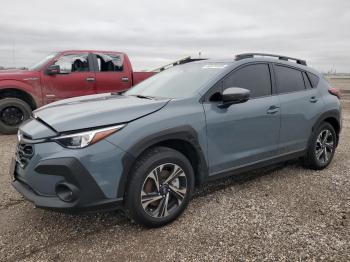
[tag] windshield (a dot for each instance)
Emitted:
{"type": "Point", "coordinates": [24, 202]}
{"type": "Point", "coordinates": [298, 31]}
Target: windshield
{"type": "Point", "coordinates": [39, 64]}
{"type": "Point", "coordinates": [178, 81]}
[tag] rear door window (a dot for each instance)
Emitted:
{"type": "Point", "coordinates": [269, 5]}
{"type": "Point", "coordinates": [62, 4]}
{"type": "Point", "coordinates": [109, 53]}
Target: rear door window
{"type": "Point", "coordinates": [255, 78]}
{"type": "Point", "coordinates": [289, 79]}
{"type": "Point", "coordinates": [110, 62]}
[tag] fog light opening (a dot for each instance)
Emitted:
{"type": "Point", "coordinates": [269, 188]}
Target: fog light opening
{"type": "Point", "coordinates": [66, 192]}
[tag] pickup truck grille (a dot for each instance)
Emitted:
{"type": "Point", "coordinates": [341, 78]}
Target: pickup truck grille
{"type": "Point", "coordinates": [24, 153]}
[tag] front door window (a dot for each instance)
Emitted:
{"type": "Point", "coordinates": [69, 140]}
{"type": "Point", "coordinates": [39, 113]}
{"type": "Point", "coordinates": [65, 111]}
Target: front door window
{"type": "Point", "coordinates": [73, 63]}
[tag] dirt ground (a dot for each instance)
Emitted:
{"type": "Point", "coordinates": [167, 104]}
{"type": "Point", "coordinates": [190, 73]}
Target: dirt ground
{"type": "Point", "coordinates": [281, 213]}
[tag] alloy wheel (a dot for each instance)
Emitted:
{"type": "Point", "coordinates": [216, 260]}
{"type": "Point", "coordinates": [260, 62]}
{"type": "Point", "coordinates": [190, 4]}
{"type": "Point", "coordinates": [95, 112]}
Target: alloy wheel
{"type": "Point", "coordinates": [324, 146]}
{"type": "Point", "coordinates": [163, 190]}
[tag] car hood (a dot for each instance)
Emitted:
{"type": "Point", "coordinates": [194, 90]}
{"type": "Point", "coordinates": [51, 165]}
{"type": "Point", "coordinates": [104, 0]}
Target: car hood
{"type": "Point", "coordinates": [17, 74]}
{"type": "Point", "coordinates": [95, 111]}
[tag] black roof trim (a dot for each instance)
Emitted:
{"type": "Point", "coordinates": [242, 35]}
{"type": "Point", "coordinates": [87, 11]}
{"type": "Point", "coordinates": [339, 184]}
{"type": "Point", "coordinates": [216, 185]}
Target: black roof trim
{"type": "Point", "coordinates": [280, 57]}
{"type": "Point", "coordinates": [185, 60]}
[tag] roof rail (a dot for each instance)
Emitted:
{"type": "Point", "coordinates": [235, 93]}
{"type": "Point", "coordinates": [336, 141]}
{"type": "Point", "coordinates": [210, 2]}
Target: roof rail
{"type": "Point", "coordinates": [280, 57]}
{"type": "Point", "coordinates": [185, 60]}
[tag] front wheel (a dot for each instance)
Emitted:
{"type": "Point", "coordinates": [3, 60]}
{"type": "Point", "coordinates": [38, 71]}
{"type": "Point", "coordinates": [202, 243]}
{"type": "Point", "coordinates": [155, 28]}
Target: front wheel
{"type": "Point", "coordinates": [161, 186]}
{"type": "Point", "coordinates": [322, 147]}
{"type": "Point", "coordinates": [13, 112]}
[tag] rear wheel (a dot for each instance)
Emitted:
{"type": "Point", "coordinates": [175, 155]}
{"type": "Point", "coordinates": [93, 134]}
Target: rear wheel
{"type": "Point", "coordinates": [161, 186]}
{"type": "Point", "coordinates": [13, 112]}
{"type": "Point", "coordinates": [322, 147]}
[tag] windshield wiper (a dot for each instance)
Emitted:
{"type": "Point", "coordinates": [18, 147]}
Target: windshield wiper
{"type": "Point", "coordinates": [120, 93]}
{"type": "Point", "coordinates": [144, 97]}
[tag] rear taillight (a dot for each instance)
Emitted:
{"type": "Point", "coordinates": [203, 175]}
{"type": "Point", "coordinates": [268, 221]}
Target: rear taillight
{"type": "Point", "coordinates": [335, 92]}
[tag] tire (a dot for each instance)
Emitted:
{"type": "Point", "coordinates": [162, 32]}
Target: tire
{"type": "Point", "coordinates": [13, 112]}
{"type": "Point", "coordinates": [159, 163]}
{"type": "Point", "coordinates": [321, 152]}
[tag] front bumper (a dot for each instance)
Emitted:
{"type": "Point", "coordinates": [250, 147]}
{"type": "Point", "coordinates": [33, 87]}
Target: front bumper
{"type": "Point", "coordinates": [54, 177]}
{"type": "Point", "coordinates": [91, 178]}
{"type": "Point", "coordinates": [84, 192]}
{"type": "Point", "coordinates": [54, 203]}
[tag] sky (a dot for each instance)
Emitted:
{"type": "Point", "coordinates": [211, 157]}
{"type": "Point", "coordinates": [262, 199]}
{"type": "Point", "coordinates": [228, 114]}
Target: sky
{"type": "Point", "coordinates": [154, 33]}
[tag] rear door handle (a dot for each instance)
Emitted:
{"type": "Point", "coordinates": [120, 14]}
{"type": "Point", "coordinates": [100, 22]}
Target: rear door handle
{"type": "Point", "coordinates": [90, 79]}
{"type": "Point", "coordinates": [125, 79]}
{"type": "Point", "coordinates": [313, 99]}
{"type": "Point", "coordinates": [272, 110]}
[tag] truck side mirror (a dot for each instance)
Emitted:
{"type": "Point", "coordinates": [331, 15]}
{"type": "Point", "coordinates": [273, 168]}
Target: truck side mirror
{"type": "Point", "coordinates": [53, 70]}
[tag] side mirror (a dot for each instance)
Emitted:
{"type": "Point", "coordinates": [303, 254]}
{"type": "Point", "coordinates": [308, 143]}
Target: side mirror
{"type": "Point", "coordinates": [53, 70]}
{"type": "Point", "coordinates": [234, 95]}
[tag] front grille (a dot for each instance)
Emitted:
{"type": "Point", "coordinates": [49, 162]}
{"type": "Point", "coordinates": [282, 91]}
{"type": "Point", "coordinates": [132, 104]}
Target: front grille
{"type": "Point", "coordinates": [24, 153]}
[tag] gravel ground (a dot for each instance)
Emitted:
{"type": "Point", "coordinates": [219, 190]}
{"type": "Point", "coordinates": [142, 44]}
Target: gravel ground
{"type": "Point", "coordinates": [282, 213]}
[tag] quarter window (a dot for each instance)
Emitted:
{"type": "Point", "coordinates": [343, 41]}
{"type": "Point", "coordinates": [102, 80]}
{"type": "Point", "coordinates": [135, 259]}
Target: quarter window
{"type": "Point", "coordinates": [289, 79]}
{"type": "Point", "coordinates": [307, 81]}
{"type": "Point", "coordinates": [73, 63]}
{"type": "Point", "coordinates": [255, 78]}
{"type": "Point", "coordinates": [314, 79]}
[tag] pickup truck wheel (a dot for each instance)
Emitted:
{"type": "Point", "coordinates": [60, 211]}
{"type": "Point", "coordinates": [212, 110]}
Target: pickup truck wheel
{"type": "Point", "coordinates": [161, 186]}
{"type": "Point", "coordinates": [13, 112]}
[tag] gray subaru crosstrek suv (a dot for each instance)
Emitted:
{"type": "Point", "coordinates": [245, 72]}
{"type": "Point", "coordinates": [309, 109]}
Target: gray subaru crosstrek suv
{"type": "Point", "coordinates": [145, 150]}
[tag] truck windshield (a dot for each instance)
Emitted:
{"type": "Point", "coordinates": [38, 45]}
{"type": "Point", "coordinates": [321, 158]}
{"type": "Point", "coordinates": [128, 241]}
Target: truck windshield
{"type": "Point", "coordinates": [39, 64]}
{"type": "Point", "coordinates": [178, 81]}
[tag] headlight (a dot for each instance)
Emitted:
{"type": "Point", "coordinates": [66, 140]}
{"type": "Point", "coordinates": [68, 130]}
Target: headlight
{"type": "Point", "coordinates": [84, 139]}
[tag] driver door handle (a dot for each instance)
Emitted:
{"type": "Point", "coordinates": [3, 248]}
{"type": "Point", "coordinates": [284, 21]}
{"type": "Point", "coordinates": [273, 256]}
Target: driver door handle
{"type": "Point", "coordinates": [90, 79]}
{"type": "Point", "coordinates": [125, 79]}
{"type": "Point", "coordinates": [313, 99]}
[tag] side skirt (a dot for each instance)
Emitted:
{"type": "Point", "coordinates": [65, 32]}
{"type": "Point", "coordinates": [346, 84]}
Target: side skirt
{"type": "Point", "coordinates": [255, 165]}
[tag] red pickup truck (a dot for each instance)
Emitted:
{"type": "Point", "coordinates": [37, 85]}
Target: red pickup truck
{"type": "Point", "coordinates": [62, 75]}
